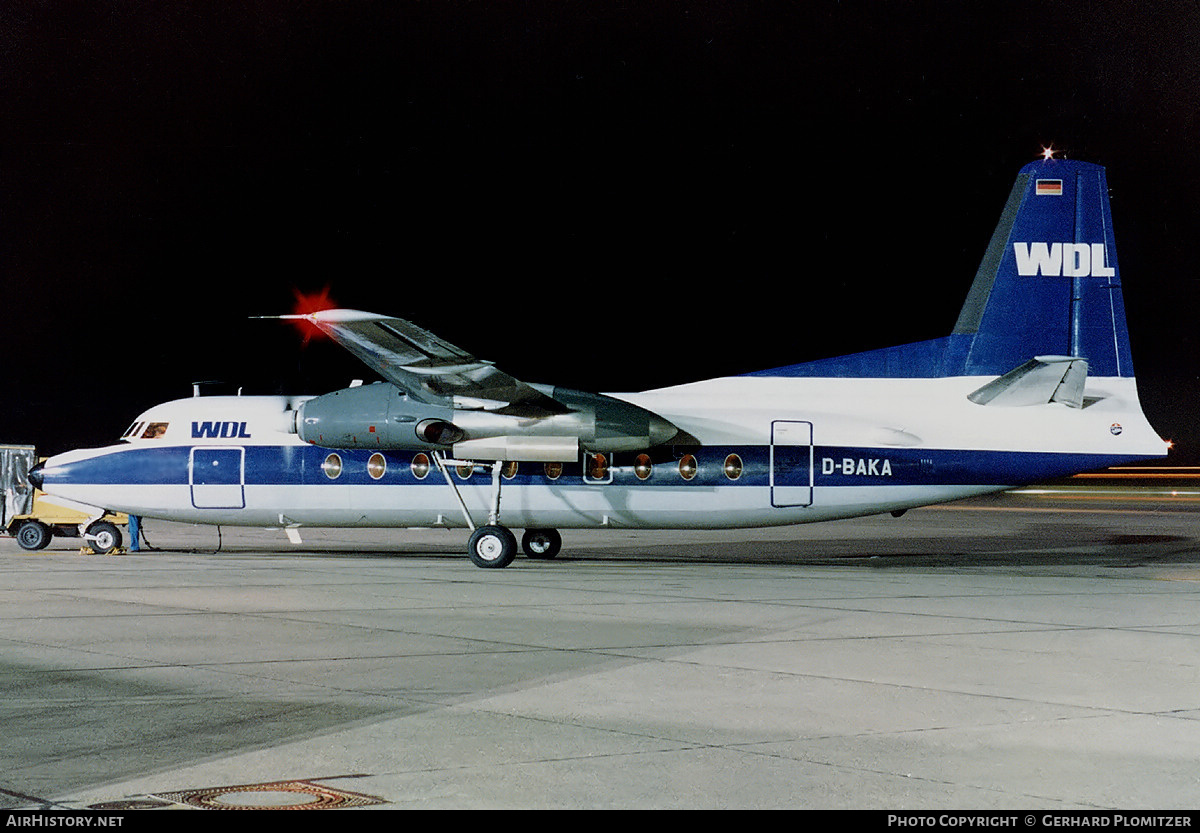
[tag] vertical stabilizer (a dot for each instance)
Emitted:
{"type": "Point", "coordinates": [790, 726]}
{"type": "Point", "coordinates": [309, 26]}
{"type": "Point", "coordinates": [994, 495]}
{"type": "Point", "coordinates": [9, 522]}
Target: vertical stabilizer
{"type": "Point", "coordinates": [1048, 285]}
{"type": "Point", "coordinates": [1049, 282]}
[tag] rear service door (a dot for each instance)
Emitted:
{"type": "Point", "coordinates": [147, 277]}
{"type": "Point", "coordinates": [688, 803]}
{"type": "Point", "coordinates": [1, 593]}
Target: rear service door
{"type": "Point", "coordinates": [791, 463]}
{"type": "Point", "coordinates": [217, 475]}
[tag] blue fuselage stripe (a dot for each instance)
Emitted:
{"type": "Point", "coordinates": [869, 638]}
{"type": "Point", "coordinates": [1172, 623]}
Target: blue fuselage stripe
{"type": "Point", "coordinates": [820, 466]}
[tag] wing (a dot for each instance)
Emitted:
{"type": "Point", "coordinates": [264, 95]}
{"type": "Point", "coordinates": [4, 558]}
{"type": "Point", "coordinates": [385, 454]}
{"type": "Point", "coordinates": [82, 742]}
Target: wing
{"type": "Point", "coordinates": [426, 367]}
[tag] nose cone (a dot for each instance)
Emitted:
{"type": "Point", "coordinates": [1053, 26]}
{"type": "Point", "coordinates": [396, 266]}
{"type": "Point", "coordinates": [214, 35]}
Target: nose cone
{"type": "Point", "coordinates": [35, 475]}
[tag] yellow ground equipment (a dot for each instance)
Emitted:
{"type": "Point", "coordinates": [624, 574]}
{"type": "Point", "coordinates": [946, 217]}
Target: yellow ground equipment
{"type": "Point", "coordinates": [33, 517]}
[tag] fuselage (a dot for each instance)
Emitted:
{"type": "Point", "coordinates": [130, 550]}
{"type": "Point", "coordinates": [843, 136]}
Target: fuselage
{"type": "Point", "coordinates": [752, 451]}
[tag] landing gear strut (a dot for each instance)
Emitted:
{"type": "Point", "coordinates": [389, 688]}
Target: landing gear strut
{"type": "Point", "coordinates": [494, 545]}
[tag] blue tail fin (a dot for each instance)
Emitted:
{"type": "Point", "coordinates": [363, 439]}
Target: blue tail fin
{"type": "Point", "coordinates": [1048, 285]}
{"type": "Point", "coordinates": [1049, 282]}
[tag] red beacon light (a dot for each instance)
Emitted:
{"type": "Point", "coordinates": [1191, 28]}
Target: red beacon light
{"type": "Point", "coordinates": [306, 305]}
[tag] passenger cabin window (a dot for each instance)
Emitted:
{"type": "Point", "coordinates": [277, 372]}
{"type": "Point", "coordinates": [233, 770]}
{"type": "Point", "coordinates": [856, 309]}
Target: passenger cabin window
{"type": "Point", "coordinates": [733, 467]}
{"type": "Point", "coordinates": [332, 466]}
{"type": "Point", "coordinates": [596, 469]}
{"type": "Point", "coordinates": [643, 467]}
{"type": "Point", "coordinates": [377, 466]}
{"type": "Point", "coordinates": [687, 467]}
{"type": "Point", "coordinates": [420, 465]}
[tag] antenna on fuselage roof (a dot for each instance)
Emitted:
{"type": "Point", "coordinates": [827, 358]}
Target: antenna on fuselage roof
{"type": "Point", "coordinates": [198, 388]}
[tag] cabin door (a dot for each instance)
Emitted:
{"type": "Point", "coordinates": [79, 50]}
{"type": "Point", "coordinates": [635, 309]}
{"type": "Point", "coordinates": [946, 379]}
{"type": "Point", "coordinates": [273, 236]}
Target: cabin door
{"type": "Point", "coordinates": [218, 476]}
{"type": "Point", "coordinates": [791, 463]}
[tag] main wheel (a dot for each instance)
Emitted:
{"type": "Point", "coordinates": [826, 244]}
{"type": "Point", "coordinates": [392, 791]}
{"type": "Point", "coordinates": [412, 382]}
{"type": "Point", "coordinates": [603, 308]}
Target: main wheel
{"type": "Point", "coordinates": [492, 546]}
{"type": "Point", "coordinates": [541, 543]}
{"type": "Point", "coordinates": [103, 537]}
{"type": "Point", "coordinates": [33, 535]}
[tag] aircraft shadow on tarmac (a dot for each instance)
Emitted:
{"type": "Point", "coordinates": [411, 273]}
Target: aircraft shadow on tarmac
{"type": "Point", "coordinates": [1102, 548]}
{"type": "Point", "coordinates": [1037, 544]}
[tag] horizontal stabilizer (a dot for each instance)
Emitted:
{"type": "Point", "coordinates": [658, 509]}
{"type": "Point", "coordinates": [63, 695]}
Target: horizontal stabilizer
{"type": "Point", "coordinates": [1039, 381]}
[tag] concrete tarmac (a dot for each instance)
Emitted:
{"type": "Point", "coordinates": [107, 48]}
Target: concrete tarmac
{"type": "Point", "coordinates": [1019, 652]}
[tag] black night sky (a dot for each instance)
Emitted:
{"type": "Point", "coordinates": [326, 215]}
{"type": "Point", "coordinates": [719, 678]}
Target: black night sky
{"type": "Point", "coordinates": [607, 196]}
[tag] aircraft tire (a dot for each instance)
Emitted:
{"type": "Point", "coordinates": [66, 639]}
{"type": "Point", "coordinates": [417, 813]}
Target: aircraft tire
{"type": "Point", "coordinates": [33, 535]}
{"type": "Point", "coordinates": [541, 543]}
{"type": "Point", "coordinates": [492, 546]}
{"type": "Point", "coordinates": [103, 537]}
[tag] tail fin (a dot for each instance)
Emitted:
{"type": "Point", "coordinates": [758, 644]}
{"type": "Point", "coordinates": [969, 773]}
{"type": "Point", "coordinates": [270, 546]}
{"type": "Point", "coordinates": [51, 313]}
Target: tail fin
{"type": "Point", "coordinates": [1048, 285]}
{"type": "Point", "coordinates": [1049, 281]}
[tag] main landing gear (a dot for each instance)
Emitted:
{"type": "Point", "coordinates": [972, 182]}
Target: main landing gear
{"type": "Point", "coordinates": [495, 545]}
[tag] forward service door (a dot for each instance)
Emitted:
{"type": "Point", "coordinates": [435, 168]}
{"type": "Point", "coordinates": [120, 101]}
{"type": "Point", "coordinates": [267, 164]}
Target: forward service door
{"type": "Point", "coordinates": [218, 475]}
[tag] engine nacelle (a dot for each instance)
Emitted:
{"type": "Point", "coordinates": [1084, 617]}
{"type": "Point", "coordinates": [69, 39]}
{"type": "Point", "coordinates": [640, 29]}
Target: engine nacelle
{"type": "Point", "coordinates": [375, 416]}
{"type": "Point", "coordinates": [380, 416]}
{"type": "Point", "coordinates": [605, 423]}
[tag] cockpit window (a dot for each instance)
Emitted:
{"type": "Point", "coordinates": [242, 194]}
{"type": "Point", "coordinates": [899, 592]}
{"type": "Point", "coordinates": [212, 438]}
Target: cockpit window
{"type": "Point", "coordinates": [132, 431]}
{"type": "Point", "coordinates": [154, 430]}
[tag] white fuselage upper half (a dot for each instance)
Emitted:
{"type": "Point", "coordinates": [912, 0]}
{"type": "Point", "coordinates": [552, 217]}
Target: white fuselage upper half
{"type": "Point", "coordinates": [752, 451]}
